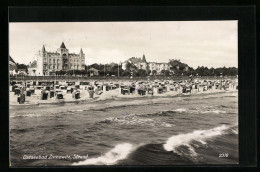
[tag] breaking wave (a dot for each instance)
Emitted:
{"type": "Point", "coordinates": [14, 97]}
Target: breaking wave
{"type": "Point", "coordinates": [119, 152]}
{"type": "Point", "coordinates": [184, 139]}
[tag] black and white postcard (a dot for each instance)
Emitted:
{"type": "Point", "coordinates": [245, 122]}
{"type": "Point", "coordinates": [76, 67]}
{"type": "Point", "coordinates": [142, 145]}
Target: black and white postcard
{"type": "Point", "coordinates": [123, 93]}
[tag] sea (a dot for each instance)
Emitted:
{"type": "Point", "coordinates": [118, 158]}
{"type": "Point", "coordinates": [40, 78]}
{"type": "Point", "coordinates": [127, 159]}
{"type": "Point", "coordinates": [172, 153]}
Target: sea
{"type": "Point", "coordinates": [197, 129]}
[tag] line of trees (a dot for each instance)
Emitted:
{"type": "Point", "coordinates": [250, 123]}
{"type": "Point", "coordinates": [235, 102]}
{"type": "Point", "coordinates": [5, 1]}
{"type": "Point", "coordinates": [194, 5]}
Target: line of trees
{"type": "Point", "coordinates": [72, 72]}
{"type": "Point", "coordinates": [108, 69]}
{"type": "Point", "coordinates": [176, 68]}
{"type": "Point", "coordinates": [21, 67]}
{"type": "Point", "coordinates": [199, 71]}
{"type": "Point", "coordinates": [179, 68]}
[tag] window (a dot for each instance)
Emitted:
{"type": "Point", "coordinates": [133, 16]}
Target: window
{"type": "Point", "coordinates": [53, 66]}
{"type": "Point", "coordinates": [53, 60]}
{"type": "Point", "coordinates": [49, 60]}
{"type": "Point", "coordinates": [49, 66]}
{"type": "Point", "coordinates": [58, 66]}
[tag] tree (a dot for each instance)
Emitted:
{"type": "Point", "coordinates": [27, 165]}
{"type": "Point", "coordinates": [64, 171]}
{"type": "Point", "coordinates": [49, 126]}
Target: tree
{"type": "Point", "coordinates": [147, 68]}
{"type": "Point", "coordinates": [34, 71]}
{"type": "Point", "coordinates": [162, 72]}
{"type": "Point", "coordinates": [22, 66]}
{"type": "Point", "coordinates": [70, 72]}
{"type": "Point", "coordinates": [126, 73]}
{"type": "Point", "coordinates": [167, 73]}
{"type": "Point", "coordinates": [154, 72]}
{"type": "Point", "coordinates": [141, 72]}
{"type": "Point", "coordinates": [178, 67]}
{"type": "Point", "coordinates": [130, 66]}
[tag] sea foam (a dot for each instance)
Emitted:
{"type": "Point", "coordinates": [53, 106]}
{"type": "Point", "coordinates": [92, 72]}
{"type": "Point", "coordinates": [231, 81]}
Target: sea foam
{"type": "Point", "coordinates": [119, 152]}
{"type": "Point", "coordinates": [184, 139]}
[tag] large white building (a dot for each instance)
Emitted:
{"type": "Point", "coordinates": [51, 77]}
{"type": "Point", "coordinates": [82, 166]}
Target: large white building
{"type": "Point", "coordinates": [47, 63]}
{"type": "Point", "coordinates": [141, 63]}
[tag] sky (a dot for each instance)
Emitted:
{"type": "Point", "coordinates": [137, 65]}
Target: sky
{"type": "Point", "coordinates": [197, 43]}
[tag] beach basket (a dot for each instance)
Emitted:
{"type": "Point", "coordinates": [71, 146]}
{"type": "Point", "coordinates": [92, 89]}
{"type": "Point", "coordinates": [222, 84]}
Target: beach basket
{"type": "Point", "coordinates": [132, 89]}
{"type": "Point", "coordinates": [113, 87]}
{"type": "Point", "coordinates": [91, 93]}
{"type": "Point", "coordinates": [44, 95]}
{"type": "Point", "coordinates": [77, 95]}
{"type": "Point", "coordinates": [14, 87]}
{"type": "Point", "coordinates": [39, 87]}
{"type": "Point", "coordinates": [59, 95]}
{"type": "Point", "coordinates": [32, 90]}
{"type": "Point", "coordinates": [91, 88]}
{"type": "Point", "coordinates": [21, 99]}
{"type": "Point", "coordinates": [140, 92]}
{"type": "Point", "coordinates": [164, 89]}
{"type": "Point", "coordinates": [52, 94]}
{"type": "Point", "coordinates": [17, 91]}
{"type": "Point", "coordinates": [150, 91]}
{"type": "Point", "coordinates": [160, 90]}
{"type": "Point", "coordinates": [125, 91]}
{"type": "Point", "coordinates": [28, 93]}
{"type": "Point", "coordinates": [47, 88]}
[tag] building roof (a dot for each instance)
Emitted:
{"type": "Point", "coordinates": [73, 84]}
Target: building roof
{"type": "Point", "coordinates": [134, 60]}
{"type": "Point", "coordinates": [33, 64]}
{"type": "Point", "coordinates": [93, 69]}
{"type": "Point", "coordinates": [62, 45]}
{"type": "Point", "coordinates": [11, 59]}
{"type": "Point", "coordinates": [73, 54]}
{"type": "Point", "coordinates": [43, 48]}
{"type": "Point", "coordinates": [143, 59]}
{"type": "Point", "coordinates": [12, 64]}
{"type": "Point", "coordinates": [53, 53]}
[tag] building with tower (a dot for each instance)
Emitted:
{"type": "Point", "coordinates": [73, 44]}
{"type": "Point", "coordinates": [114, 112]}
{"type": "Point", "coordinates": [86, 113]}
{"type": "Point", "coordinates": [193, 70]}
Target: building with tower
{"type": "Point", "coordinates": [47, 63]}
{"type": "Point", "coordinates": [141, 63]}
